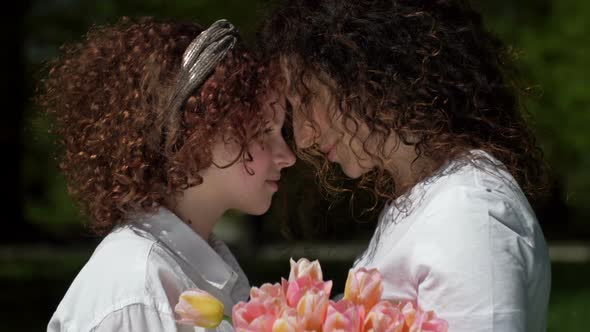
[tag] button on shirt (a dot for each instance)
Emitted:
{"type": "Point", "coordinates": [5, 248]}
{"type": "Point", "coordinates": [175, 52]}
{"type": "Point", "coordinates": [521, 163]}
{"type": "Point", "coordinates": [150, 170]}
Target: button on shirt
{"type": "Point", "coordinates": [470, 248]}
{"type": "Point", "coordinates": [134, 278]}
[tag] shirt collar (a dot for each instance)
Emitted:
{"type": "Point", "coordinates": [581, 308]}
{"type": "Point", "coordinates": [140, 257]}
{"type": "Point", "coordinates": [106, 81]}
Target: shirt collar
{"type": "Point", "coordinates": [213, 263]}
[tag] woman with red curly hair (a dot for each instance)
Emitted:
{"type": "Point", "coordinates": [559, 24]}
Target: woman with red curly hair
{"type": "Point", "coordinates": [414, 99]}
{"type": "Point", "coordinates": [164, 127]}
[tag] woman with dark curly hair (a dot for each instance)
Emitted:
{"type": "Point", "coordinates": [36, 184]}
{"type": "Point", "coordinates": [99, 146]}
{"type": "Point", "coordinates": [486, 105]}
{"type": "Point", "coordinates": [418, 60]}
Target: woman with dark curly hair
{"type": "Point", "coordinates": [164, 127]}
{"type": "Point", "coordinates": [415, 100]}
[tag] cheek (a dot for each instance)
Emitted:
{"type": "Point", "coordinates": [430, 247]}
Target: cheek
{"type": "Point", "coordinates": [360, 143]}
{"type": "Point", "coordinates": [261, 162]}
{"type": "Point", "coordinates": [326, 122]}
{"type": "Point", "coordinates": [354, 156]}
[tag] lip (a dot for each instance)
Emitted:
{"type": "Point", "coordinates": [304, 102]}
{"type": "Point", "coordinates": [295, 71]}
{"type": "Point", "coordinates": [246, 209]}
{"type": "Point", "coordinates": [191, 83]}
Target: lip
{"type": "Point", "coordinates": [274, 184]}
{"type": "Point", "coordinates": [327, 148]}
{"type": "Point", "coordinates": [329, 151]}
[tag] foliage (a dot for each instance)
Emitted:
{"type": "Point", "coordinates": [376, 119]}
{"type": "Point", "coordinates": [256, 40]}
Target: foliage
{"type": "Point", "coordinates": [552, 41]}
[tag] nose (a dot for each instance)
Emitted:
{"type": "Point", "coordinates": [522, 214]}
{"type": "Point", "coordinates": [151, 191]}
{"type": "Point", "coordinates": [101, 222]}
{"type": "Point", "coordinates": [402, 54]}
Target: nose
{"type": "Point", "coordinates": [284, 157]}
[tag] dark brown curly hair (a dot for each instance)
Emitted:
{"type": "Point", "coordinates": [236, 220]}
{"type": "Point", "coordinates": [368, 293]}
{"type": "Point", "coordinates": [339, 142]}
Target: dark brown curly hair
{"type": "Point", "coordinates": [427, 71]}
{"type": "Point", "coordinates": [108, 97]}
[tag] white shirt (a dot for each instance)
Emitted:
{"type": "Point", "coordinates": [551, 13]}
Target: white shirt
{"type": "Point", "coordinates": [470, 249]}
{"type": "Point", "coordinates": [134, 278]}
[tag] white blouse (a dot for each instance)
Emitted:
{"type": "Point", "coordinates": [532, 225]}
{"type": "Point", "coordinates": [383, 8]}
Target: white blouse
{"type": "Point", "coordinates": [470, 248]}
{"type": "Point", "coordinates": [134, 278]}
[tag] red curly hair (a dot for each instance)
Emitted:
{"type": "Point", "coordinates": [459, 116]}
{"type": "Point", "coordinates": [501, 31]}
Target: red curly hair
{"type": "Point", "coordinates": [106, 95]}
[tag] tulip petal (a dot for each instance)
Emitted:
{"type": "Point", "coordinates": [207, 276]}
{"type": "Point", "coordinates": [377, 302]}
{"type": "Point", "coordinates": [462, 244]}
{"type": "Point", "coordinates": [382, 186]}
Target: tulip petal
{"type": "Point", "coordinates": [200, 308]}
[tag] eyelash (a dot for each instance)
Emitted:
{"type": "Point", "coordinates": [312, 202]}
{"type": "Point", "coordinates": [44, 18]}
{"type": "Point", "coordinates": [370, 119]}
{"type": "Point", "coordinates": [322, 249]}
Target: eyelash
{"type": "Point", "coordinates": [267, 128]}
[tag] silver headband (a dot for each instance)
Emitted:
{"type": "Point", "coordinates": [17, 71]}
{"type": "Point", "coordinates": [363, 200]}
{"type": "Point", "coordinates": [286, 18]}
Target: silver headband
{"type": "Point", "coordinates": [200, 59]}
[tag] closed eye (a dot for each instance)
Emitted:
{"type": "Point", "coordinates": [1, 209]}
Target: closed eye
{"type": "Point", "coordinates": [268, 128]}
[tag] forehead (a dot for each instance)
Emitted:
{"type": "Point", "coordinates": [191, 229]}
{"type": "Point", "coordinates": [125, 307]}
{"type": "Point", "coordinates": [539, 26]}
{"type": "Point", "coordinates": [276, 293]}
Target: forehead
{"type": "Point", "coordinates": [312, 99]}
{"type": "Point", "coordinates": [307, 90]}
{"type": "Point", "coordinates": [294, 73]}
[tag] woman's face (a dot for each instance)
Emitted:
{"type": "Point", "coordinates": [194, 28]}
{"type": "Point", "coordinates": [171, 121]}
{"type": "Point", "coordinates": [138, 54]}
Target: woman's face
{"type": "Point", "coordinates": [249, 186]}
{"type": "Point", "coordinates": [346, 141]}
{"type": "Point", "coordinates": [325, 127]}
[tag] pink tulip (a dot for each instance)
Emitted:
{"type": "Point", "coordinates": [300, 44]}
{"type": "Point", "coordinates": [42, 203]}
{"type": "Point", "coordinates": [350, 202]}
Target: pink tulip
{"type": "Point", "coordinates": [287, 322]}
{"type": "Point", "coordinates": [311, 309]}
{"type": "Point", "coordinates": [422, 321]}
{"type": "Point", "coordinates": [343, 316]}
{"type": "Point", "coordinates": [384, 317]}
{"type": "Point", "coordinates": [435, 324]}
{"type": "Point", "coordinates": [270, 295]}
{"type": "Point", "coordinates": [294, 290]}
{"type": "Point", "coordinates": [363, 287]}
{"type": "Point", "coordinates": [254, 316]}
{"type": "Point", "coordinates": [303, 267]}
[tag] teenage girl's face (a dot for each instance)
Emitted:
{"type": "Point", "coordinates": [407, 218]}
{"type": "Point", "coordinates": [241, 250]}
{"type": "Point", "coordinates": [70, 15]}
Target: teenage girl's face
{"type": "Point", "coordinates": [250, 185]}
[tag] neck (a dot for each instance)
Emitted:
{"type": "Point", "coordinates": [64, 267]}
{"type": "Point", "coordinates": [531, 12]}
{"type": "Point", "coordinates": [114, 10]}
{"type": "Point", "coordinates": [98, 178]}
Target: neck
{"type": "Point", "coordinates": [199, 208]}
{"type": "Point", "coordinates": [404, 166]}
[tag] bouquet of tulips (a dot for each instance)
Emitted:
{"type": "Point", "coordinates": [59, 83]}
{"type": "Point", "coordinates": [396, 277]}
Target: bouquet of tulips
{"type": "Point", "coordinates": [302, 303]}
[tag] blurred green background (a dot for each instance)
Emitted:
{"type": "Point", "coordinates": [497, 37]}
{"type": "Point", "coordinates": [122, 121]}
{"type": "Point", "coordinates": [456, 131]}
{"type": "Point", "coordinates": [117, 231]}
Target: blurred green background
{"type": "Point", "coordinates": [45, 243]}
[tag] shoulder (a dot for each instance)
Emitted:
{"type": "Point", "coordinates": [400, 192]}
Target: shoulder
{"type": "Point", "coordinates": [118, 276]}
{"type": "Point", "coordinates": [119, 261]}
{"type": "Point", "coordinates": [477, 204]}
{"type": "Point", "coordinates": [479, 190]}
{"type": "Point", "coordinates": [140, 317]}
{"type": "Point", "coordinates": [479, 208]}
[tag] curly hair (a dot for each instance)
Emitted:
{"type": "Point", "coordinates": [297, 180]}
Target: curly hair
{"type": "Point", "coordinates": [107, 96]}
{"type": "Point", "coordinates": [425, 71]}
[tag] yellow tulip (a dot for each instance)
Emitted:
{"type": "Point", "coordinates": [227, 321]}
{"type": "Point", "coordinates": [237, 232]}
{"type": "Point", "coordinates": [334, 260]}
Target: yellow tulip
{"type": "Point", "coordinates": [199, 308]}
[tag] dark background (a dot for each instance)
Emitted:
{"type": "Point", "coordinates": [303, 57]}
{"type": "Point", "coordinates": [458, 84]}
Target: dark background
{"type": "Point", "coordinates": [44, 243]}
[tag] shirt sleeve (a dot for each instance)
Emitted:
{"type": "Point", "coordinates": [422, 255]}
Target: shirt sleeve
{"type": "Point", "coordinates": [141, 318]}
{"type": "Point", "coordinates": [471, 266]}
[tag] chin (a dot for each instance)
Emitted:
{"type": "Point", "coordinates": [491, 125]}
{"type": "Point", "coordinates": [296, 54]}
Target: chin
{"type": "Point", "coordinates": [257, 209]}
{"type": "Point", "coordinates": [353, 173]}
